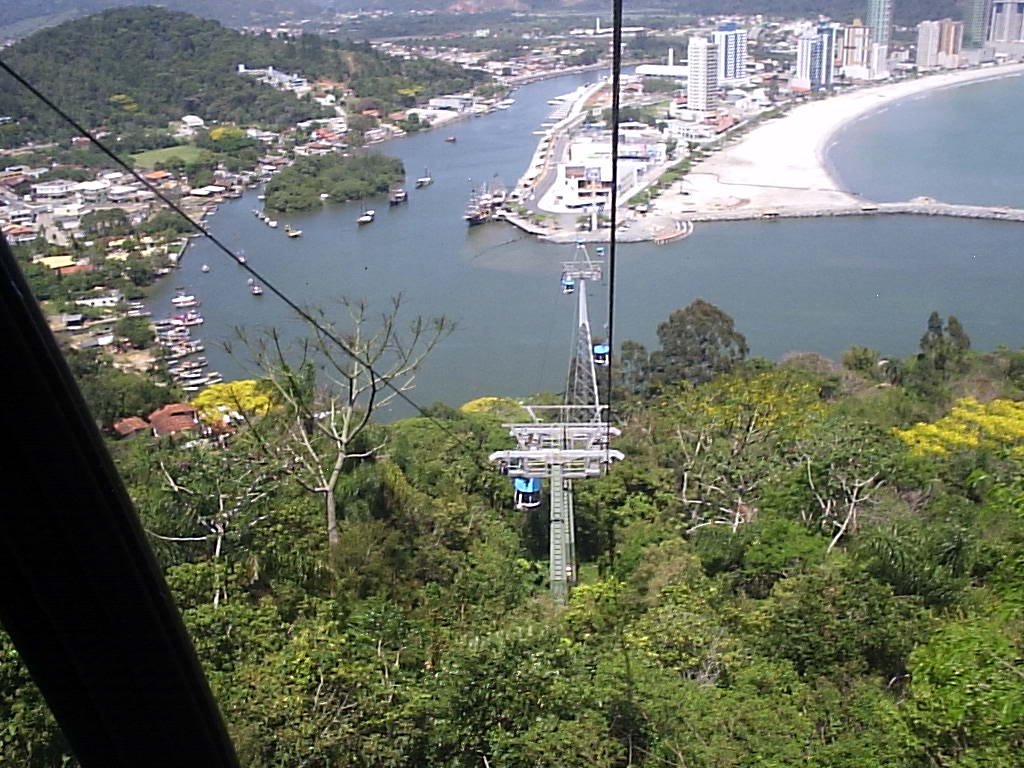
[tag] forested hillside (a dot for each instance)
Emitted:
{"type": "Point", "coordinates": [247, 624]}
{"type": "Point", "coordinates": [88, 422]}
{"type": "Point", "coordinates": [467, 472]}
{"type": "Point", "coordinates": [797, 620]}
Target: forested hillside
{"type": "Point", "coordinates": [905, 11]}
{"type": "Point", "coordinates": [797, 564]}
{"type": "Point", "coordinates": [136, 68]}
{"type": "Point", "coordinates": [231, 12]}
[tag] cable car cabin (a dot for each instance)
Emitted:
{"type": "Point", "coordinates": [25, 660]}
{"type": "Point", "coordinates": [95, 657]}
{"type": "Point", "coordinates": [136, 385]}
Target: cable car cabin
{"type": "Point", "coordinates": [527, 492]}
{"type": "Point", "coordinates": [601, 352]}
{"type": "Point", "coordinates": [600, 250]}
{"type": "Point", "coordinates": [568, 284]}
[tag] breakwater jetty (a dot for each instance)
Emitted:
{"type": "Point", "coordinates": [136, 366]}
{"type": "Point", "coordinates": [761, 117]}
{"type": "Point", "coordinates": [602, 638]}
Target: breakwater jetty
{"type": "Point", "coordinates": [919, 206]}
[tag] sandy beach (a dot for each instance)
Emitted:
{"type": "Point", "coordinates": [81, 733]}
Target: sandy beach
{"type": "Point", "coordinates": [780, 165]}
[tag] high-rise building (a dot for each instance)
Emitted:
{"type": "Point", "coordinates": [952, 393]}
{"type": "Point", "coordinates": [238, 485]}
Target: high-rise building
{"type": "Point", "coordinates": [856, 50]}
{"type": "Point", "coordinates": [1007, 24]}
{"type": "Point", "coordinates": [927, 44]}
{"type": "Point", "coordinates": [879, 18]}
{"type": "Point", "coordinates": [939, 43]}
{"type": "Point", "coordinates": [732, 52]}
{"type": "Point", "coordinates": [815, 59]}
{"type": "Point", "coordinates": [976, 22]}
{"type": "Point", "coordinates": [702, 83]}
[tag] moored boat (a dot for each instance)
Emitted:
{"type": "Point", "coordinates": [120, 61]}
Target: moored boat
{"type": "Point", "coordinates": [367, 217]}
{"type": "Point", "coordinates": [256, 289]}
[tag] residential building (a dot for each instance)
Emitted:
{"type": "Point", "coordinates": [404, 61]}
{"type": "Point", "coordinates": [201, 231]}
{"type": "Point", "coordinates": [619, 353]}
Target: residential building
{"type": "Point", "coordinates": [1006, 28]}
{"type": "Point", "coordinates": [815, 59]}
{"type": "Point", "coordinates": [939, 44]}
{"type": "Point", "coordinates": [702, 85]}
{"type": "Point", "coordinates": [732, 52]}
{"type": "Point", "coordinates": [855, 55]}
{"type": "Point", "coordinates": [976, 22]}
{"type": "Point", "coordinates": [879, 18]}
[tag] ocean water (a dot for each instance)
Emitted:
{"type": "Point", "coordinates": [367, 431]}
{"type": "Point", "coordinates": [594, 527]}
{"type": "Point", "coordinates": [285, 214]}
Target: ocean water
{"type": "Point", "coordinates": [792, 286]}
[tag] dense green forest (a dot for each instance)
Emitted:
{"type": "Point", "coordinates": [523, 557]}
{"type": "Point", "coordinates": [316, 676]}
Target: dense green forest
{"type": "Point", "coordinates": [798, 563]}
{"type": "Point", "coordinates": [299, 186]}
{"type": "Point", "coordinates": [140, 68]}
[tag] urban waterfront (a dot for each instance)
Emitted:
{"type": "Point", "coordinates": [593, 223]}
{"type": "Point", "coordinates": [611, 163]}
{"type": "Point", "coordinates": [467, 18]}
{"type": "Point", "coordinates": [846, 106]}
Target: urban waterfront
{"type": "Point", "coordinates": [817, 285]}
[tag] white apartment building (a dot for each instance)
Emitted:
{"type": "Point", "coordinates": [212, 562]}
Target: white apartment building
{"type": "Point", "coordinates": [702, 85]}
{"type": "Point", "coordinates": [732, 53]}
{"type": "Point", "coordinates": [815, 59]}
{"type": "Point", "coordinates": [939, 44]}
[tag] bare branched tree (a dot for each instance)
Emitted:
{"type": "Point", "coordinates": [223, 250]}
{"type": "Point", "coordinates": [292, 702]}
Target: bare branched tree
{"type": "Point", "coordinates": [328, 394]}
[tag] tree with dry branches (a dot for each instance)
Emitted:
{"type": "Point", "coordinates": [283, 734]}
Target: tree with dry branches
{"type": "Point", "coordinates": [327, 388]}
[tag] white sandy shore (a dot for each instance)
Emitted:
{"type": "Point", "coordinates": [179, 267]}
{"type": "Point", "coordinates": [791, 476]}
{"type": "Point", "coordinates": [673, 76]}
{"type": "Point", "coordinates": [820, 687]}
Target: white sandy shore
{"type": "Point", "coordinates": [781, 164]}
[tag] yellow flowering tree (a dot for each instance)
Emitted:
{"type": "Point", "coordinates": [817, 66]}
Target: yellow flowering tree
{"type": "Point", "coordinates": [245, 397]}
{"type": "Point", "coordinates": [969, 425]}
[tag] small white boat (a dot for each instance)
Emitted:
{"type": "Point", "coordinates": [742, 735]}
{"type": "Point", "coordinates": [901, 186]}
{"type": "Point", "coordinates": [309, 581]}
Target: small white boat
{"type": "Point", "coordinates": [205, 268]}
{"type": "Point", "coordinates": [367, 217]}
{"type": "Point", "coordinates": [292, 232]}
{"type": "Point", "coordinates": [184, 300]}
{"type": "Point", "coordinates": [272, 223]}
{"type": "Point", "coordinates": [256, 289]}
{"type": "Point", "coordinates": [324, 195]}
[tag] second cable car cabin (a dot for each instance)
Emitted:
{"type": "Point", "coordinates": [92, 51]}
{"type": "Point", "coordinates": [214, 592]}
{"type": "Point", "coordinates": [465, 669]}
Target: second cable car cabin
{"type": "Point", "coordinates": [568, 283]}
{"type": "Point", "coordinates": [527, 492]}
{"type": "Point", "coordinates": [601, 353]}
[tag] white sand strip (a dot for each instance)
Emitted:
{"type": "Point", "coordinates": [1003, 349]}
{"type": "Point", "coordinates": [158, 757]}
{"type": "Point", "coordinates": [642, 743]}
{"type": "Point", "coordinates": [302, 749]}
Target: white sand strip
{"type": "Point", "coordinates": [781, 164]}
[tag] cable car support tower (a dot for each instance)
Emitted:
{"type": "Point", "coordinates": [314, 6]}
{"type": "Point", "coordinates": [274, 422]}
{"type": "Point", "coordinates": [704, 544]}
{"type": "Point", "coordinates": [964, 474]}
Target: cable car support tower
{"type": "Point", "coordinates": [563, 443]}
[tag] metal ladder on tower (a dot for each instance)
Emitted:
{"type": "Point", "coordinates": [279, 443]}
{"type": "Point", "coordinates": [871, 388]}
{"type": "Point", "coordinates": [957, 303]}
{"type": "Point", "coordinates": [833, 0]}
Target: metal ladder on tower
{"type": "Point", "coordinates": [563, 443]}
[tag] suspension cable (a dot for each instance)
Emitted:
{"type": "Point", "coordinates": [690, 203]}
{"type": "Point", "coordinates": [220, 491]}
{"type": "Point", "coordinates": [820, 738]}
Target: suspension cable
{"type": "Point", "coordinates": [327, 333]}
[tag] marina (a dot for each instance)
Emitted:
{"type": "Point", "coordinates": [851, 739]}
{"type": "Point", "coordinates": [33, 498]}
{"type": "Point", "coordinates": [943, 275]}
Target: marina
{"type": "Point", "coordinates": [813, 285]}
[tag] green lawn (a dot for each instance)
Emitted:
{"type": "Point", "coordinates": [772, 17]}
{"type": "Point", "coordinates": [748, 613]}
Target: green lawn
{"type": "Point", "coordinates": [150, 158]}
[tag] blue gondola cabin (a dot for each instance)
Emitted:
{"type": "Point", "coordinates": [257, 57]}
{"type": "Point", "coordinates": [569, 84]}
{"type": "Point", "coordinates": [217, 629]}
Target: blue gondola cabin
{"type": "Point", "coordinates": [601, 352]}
{"type": "Point", "coordinates": [527, 492]}
{"type": "Point", "coordinates": [568, 284]}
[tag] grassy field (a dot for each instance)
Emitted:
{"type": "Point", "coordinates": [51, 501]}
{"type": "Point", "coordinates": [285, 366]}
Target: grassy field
{"type": "Point", "coordinates": [149, 159]}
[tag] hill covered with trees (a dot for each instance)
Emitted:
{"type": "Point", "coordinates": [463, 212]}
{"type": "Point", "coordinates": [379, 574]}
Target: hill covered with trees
{"type": "Point", "coordinates": [127, 70]}
{"type": "Point", "coordinates": [803, 563]}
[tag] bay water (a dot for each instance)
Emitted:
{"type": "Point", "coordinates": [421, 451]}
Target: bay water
{"type": "Point", "coordinates": [792, 286]}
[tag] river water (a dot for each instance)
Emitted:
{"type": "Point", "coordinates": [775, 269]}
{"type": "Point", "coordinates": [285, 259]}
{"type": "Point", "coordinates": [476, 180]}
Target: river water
{"type": "Point", "coordinates": [818, 285]}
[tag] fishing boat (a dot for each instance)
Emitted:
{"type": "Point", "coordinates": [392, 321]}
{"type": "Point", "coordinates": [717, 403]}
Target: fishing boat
{"type": "Point", "coordinates": [425, 180]}
{"type": "Point", "coordinates": [256, 289]}
{"type": "Point", "coordinates": [450, 139]}
{"type": "Point", "coordinates": [476, 211]}
{"type": "Point", "coordinates": [367, 217]}
{"type": "Point", "coordinates": [184, 301]}
{"type": "Point", "coordinates": [292, 232]}
{"type": "Point", "coordinates": [397, 196]}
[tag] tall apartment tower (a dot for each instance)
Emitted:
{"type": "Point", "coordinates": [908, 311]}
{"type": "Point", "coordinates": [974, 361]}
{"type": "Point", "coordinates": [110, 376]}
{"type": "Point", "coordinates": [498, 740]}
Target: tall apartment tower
{"type": "Point", "coordinates": [880, 20]}
{"type": "Point", "coordinates": [939, 43]}
{"type": "Point", "coordinates": [976, 22]}
{"type": "Point", "coordinates": [927, 45]}
{"type": "Point", "coordinates": [732, 52]}
{"type": "Point", "coordinates": [856, 50]}
{"type": "Point", "coordinates": [1007, 25]}
{"type": "Point", "coordinates": [702, 84]}
{"type": "Point", "coordinates": [815, 59]}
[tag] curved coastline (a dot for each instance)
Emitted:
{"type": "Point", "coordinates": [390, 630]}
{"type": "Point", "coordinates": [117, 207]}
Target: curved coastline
{"type": "Point", "coordinates": [928, 84]}
{"type": "Point", "coordinates": [782, 165]}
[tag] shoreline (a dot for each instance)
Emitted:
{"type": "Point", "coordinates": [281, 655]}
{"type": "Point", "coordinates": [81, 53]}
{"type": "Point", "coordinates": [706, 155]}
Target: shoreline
{"type": "Point", "coordinates": [782, 165]}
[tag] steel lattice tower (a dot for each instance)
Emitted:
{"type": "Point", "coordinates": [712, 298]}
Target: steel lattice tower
{"type": "Point", "coordinates": [562, 443]}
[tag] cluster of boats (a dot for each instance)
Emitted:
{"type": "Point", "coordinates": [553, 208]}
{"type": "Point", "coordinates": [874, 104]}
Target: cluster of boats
{"type": "Point", "coordinates": [486, 205]}
{"type": "Point", "coordinates": [185, 366]}
{"type": "Point", "coordinates": [272, 223]}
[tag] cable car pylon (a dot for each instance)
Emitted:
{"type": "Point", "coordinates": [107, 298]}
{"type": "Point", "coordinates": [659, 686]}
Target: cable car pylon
{"type": "Point", "coordinates": [563, 443]}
